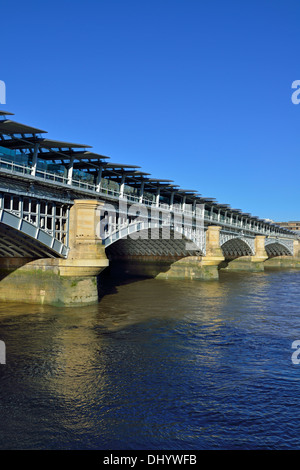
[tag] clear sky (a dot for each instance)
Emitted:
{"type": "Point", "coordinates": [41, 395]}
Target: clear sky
{"type": "Point", "coordinates": [197, 91]}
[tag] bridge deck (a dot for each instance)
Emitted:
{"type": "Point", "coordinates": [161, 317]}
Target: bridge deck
{"type": "Point", "coordinates": [70, 171]}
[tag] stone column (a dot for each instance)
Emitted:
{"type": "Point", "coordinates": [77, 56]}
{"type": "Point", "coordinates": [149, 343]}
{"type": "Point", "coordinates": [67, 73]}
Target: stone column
{"type": "Point", "coordinates": [87, 254]}
{"type": "Point", "coordinates": [260, 251]}
{"type": "Point", "coordinates": [296, 249]}
{"type": "Point", "coordinates": [214, 254]}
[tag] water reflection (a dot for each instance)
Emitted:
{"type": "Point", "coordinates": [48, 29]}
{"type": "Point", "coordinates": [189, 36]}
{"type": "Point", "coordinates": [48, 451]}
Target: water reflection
{"type": "Point", "coordinates": [157, 364]}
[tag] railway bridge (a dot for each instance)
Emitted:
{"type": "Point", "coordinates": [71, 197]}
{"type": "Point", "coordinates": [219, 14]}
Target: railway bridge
{"type": "Point", "coordinates": [67, 213]}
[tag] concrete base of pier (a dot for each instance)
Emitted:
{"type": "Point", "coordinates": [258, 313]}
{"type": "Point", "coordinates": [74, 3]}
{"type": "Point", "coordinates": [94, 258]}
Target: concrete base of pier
{"type": "Point", "coordinates": [245, 263]}
{"type": "Point", "coordinates": [166, 267]}
{"type": "Point", "coordinates": [44, 282]}
{"type": "Point", "coordinates": [282, 262]}
{"type": "Point", "coordinates": [192, 267]}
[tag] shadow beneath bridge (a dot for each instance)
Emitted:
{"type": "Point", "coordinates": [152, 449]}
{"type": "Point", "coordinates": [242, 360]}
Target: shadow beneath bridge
{"type": "Point", "coordinates": [9, 265]}
{"type": "Point", "coordinates": [223, 264]}
{"type": "Point", "coordinates": [115, 275]}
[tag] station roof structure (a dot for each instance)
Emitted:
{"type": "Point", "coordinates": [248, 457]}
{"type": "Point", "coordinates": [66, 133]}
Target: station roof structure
{"type": "Point", "coordinates": [6, 113]}
{"type": "Point", "coordinates": [29, 141]}
{"type": "Point", "coordinates": [9, 127]}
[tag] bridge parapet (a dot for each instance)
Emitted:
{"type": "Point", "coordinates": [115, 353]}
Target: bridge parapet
{"type": "Point", "coordinates": [62, 181]}
{"type": "Point", "coordinates": [42, 224]}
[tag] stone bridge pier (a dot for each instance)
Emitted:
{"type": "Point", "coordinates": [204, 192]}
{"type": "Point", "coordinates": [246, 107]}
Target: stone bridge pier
{"type": "Point", "coordinates": [58, 281]}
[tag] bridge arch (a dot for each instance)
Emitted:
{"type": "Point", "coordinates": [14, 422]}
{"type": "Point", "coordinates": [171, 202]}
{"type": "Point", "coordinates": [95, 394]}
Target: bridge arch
{"type": "Point", "coordinates": [149, 252]}
{"type": "Point", "coordinates": [278, 248]}
{"type": "Point", "coordinates": [237, 247]}
{"type": "Point", "coordinates": [142, 239]}
{"type": "Point", "coordinates": [21, 238]}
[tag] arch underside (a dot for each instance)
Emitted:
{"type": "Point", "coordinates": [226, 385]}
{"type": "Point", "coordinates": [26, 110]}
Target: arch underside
{"type": "Point", "coordinates": [153, 243]}
{"type": "Point", "coordinates": [21, 238]}
{"type": "Point", "coordinates": [235, 248]}
{"type": "Point", "coordinates": [15, 244]}
{"type": "Point", "coordinates": [277, 249]}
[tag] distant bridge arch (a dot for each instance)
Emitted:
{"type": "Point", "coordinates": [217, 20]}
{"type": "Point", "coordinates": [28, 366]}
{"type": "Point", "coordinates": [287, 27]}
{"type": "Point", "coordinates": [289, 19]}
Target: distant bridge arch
{"type": "Point", "coordinates": [235, 247]}
{"type": "Point", "coordinates": [276, 247]}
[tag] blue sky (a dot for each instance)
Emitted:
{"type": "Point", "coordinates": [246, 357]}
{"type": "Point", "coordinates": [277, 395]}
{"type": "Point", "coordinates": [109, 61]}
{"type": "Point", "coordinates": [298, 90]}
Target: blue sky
{"type": "Point", "coordinates": [191, 90]}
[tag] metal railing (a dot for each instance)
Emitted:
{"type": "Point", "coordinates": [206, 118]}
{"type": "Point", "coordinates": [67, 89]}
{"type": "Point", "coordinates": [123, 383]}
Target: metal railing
{"type": "Point", "coordinates": [12, 167]}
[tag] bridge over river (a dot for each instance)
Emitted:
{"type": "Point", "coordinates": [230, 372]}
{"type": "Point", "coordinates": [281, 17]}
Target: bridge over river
{"type": "Point", "coordinates": [67, 213]}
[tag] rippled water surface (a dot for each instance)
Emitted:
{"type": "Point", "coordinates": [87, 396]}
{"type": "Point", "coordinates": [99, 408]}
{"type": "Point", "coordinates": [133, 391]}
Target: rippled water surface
{"type": "Point", "coordinates": [156, 365]}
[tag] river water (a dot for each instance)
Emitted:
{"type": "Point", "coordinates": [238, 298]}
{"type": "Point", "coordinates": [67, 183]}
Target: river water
{"type": "Point", "coordinates": [156, 365]}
